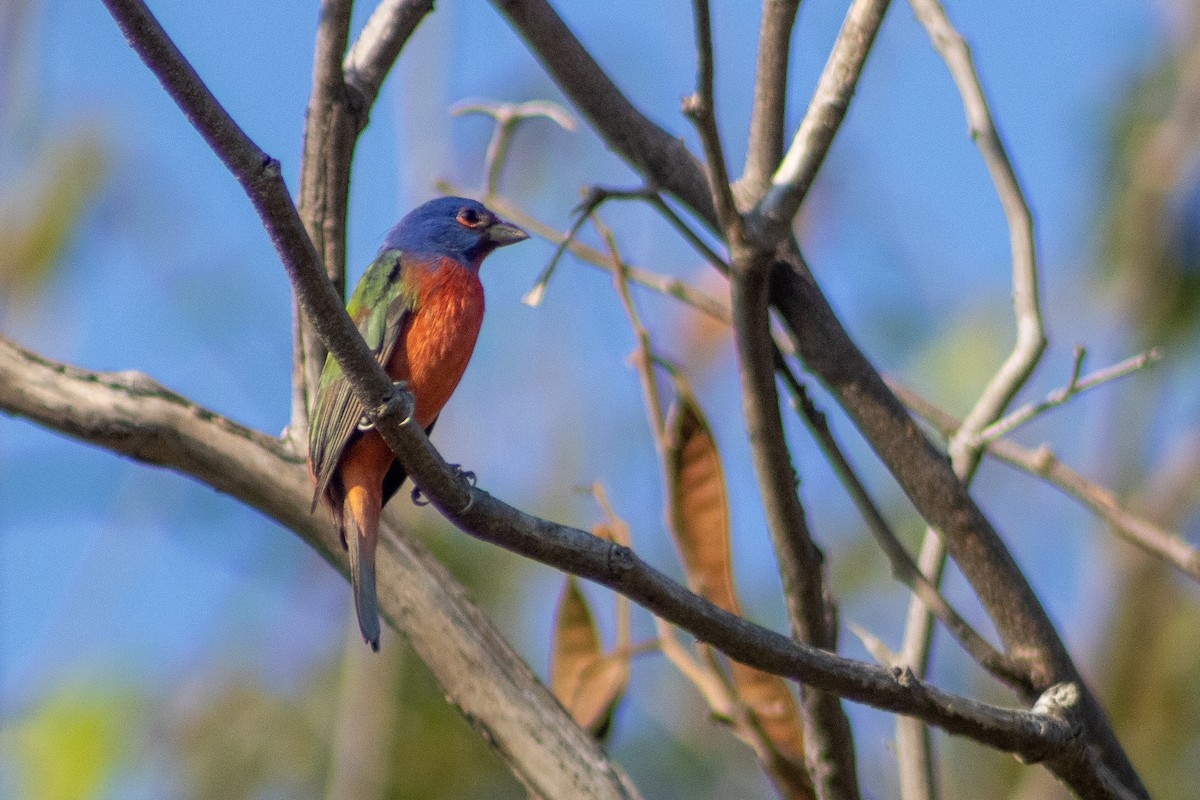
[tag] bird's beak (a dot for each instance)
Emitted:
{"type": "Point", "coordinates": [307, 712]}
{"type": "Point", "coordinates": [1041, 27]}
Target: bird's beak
{"type": "Point", "coordinates": [502, 233]}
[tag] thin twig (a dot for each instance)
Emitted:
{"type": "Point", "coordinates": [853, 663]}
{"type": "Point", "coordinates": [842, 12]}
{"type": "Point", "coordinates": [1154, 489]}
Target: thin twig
{"type": "Point", "coordinates": [508, 117]}
{"type": "Point", "coordinates": [912, 743]}
{"type": "Point", "coordinates": [700, 107]}
{"type": "Point", "coordinates": [821, 122]}
{"type": "Point", "coordinates": [644, 358]}
{"type": "Point", "coordinates": [1042, 463]}
{"type": "Point", "coordinates": [593, 198]}
{"type": "Point", "coordinates": [1075, 386]}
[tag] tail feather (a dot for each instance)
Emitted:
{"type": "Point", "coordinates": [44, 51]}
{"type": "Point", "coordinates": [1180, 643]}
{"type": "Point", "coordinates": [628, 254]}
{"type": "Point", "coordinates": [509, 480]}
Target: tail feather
{"type": "Point", "coordinates": [361, 542]}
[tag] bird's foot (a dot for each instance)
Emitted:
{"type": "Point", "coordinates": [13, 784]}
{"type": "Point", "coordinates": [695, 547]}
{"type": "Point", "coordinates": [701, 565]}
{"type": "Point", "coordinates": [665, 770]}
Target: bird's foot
{"type": "Point", "coordinates": [365, 423]}
{"type": "Point", "coordinates": [464, 474]}
{"type": "Point", "coordinates": [419, 499]}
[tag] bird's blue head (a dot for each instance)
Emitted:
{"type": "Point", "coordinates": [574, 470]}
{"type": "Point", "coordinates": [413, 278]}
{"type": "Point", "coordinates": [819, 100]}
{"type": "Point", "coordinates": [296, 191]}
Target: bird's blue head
{"type": "Point", "coordinates": [453, 227]}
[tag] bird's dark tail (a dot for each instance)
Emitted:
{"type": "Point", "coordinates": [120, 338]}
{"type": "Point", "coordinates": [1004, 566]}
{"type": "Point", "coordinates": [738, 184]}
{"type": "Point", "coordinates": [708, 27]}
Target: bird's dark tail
{"type": "Point", "coordinates": [360, 528]}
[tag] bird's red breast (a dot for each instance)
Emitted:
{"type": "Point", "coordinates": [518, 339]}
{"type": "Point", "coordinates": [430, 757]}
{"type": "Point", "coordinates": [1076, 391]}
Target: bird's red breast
{"type": "Point", "coordinates": [439, 338]}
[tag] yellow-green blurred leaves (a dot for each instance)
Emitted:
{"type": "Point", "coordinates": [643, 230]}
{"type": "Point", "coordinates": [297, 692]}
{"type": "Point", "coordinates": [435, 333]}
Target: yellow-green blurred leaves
{"type": "Point", "coordinates": [586, 681]}
{"type": "Point", "coordinates": [42, 206]}
{"type": "Point", "coordinates": [72, 744]}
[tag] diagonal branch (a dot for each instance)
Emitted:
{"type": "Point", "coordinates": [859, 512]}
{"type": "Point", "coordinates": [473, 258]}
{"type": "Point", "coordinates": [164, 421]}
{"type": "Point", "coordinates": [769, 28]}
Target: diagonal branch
{"type": "Point", "coordinates": [904, 569]}
{"type": "Point", "coordinates": [131, 414]}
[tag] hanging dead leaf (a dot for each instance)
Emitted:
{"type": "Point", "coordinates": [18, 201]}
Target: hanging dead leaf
{"type": "Point", "coordinates": [587, 682]}
{"type": "Point", "coordinates": [698, 505]}
{"type": "Point", "coordinates": [699, 519]}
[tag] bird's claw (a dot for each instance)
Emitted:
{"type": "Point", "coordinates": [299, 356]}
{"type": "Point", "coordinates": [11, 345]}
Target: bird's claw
{"type": "Point", "coordinates": [419, 498]}
{"type": "Point", "coordinates": [365, 423]}
{"type": "Point", "coordinates": [464, 474]}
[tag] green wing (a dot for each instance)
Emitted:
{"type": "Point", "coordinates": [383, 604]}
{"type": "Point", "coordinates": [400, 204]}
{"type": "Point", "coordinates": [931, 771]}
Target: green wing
{"type": "Point", "coordinates": [380, 306]}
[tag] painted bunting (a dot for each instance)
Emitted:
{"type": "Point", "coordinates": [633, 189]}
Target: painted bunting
{"type": "Point", "coordinates": [419, 307]}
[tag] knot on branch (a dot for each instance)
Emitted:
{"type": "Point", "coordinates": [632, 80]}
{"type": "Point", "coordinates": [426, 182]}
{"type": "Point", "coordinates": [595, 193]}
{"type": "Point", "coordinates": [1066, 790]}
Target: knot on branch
{"type": "Point", "coordinates": [619, 560]}
{"type": "Point", "coordinates": [1059, 707]}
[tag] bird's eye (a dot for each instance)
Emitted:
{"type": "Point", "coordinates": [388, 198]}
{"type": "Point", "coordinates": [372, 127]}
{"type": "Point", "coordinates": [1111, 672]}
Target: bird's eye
{"type": "Point", "coordinates": [470, 217]}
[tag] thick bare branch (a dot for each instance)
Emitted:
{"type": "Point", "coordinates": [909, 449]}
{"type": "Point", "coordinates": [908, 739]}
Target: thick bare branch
{"type": "Point", "coordinates": [132, 415]}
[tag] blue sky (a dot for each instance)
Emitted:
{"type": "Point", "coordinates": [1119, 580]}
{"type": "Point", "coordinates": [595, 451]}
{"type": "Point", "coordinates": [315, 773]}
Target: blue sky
{"type": "Point", "coordinates": [110, 570]}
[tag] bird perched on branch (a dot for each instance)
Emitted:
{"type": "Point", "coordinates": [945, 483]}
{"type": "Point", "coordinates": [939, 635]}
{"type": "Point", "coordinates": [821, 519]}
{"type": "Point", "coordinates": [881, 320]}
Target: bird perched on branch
{"type": "Point", "coordinates": [419, 307]}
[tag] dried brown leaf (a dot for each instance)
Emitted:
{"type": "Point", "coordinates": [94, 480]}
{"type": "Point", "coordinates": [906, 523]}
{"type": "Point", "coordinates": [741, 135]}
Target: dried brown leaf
{"type": "Point", "coordinates": [700, 522]}
{"type": "Point", "coordinates": [699, 505]}
{"type": "Point", "coordinates": [587, 682]}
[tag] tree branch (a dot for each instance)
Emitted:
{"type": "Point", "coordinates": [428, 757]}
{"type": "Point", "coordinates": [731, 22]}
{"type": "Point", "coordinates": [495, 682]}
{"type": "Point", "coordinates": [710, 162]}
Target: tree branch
{"type": "Point", "coordinates": [965, 451]}
{"type": "Point", "coordinates": [1041, 462]}
{"type": "Point", "coordinates": [338, 110]}
{"type": "Point", "coordinates": [828, 351]}
{"type": "Point", "coordinates": [131, 414]}
{"type": "Point", "coordinates": [329, 135]}
{"type": "Point", "coordinates": [378, 47]}
{"type": "Point", "coordinates": [827, 734]}
{"type": "Point", "coordinates": [794, 177]}
{"type": "Point", "coordinates": [701, 109]}
{"type": "Point", "coordinates": [765, 146]}
{"type": "Point", "coordinates": [904, 569]}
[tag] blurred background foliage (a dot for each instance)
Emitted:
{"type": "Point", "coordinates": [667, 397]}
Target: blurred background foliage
{"type": "Point", "coordinates": [155, 642]}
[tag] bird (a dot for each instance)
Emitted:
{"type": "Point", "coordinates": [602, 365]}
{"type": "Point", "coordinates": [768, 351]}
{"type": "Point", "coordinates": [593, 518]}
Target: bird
{"type": "Point", "coordinates": [419, 307]}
